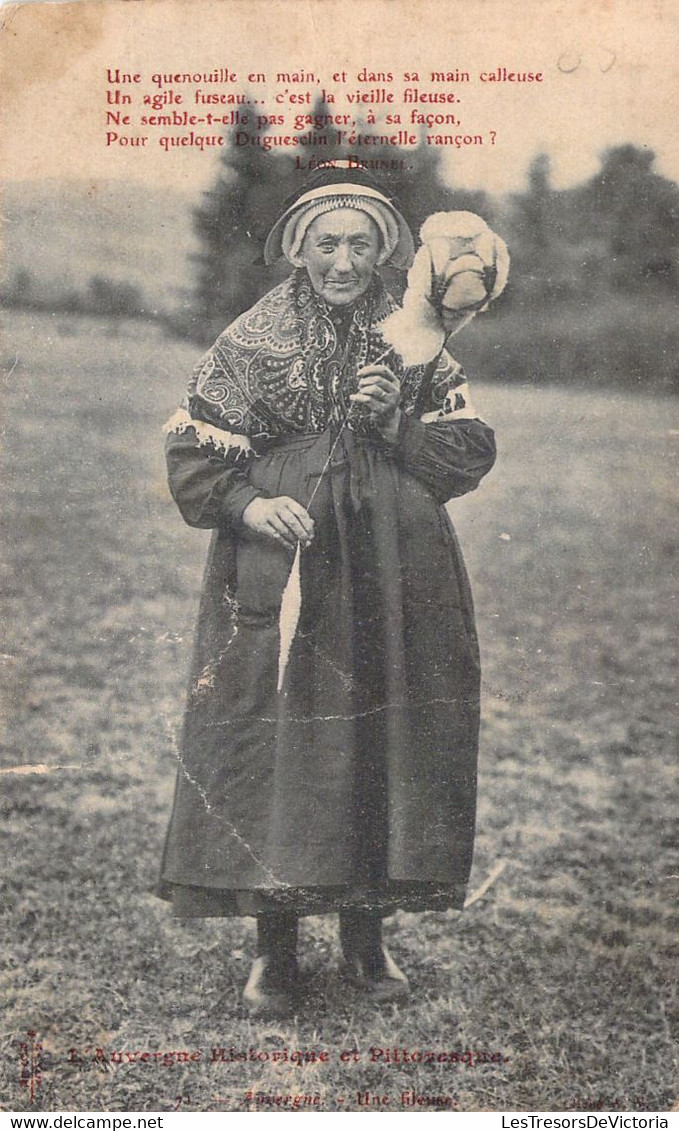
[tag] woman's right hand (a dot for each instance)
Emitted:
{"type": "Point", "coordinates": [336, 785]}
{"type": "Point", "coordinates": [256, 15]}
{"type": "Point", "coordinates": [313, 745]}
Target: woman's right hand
{"type": "Point", "coordinates": [282, 518]}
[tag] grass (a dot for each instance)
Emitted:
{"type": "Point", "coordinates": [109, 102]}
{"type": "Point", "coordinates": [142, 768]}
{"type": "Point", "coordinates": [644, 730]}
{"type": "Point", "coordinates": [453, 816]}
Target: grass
{"type": "Point", "coordinates": [563, 969]}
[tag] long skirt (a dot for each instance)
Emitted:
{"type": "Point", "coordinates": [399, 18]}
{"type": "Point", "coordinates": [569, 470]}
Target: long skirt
{"type": "Point", "coordinates": [355, 784]}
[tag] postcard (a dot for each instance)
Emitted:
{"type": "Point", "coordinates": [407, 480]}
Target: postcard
{"type": "Point", "coordinates": [339, 348]}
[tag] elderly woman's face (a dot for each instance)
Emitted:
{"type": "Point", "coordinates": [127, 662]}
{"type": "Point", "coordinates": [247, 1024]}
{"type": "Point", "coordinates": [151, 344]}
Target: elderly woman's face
{"type": "Point", "coordinates": [340, 252]}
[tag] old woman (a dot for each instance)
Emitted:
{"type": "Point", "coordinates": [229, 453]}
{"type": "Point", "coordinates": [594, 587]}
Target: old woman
{"type": "Point", "coordinates": [350, 787]}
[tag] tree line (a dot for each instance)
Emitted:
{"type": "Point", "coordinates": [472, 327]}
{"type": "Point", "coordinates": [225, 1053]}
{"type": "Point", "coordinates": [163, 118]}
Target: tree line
{"type": "Point", "coordinates": [617, 233]}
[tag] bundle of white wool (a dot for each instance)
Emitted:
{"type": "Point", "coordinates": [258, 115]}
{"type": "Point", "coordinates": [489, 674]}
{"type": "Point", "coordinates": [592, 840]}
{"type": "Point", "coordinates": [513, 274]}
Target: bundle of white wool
{"type": "Point", "coordinates": [461, 266]}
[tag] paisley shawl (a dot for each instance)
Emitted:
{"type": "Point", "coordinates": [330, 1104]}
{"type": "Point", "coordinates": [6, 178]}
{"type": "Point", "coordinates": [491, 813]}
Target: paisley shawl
{"type": "Point", "coordinates": [282, 368]}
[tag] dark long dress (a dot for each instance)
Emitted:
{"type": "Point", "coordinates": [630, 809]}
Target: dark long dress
{"type": "Point", "coordinates": [355, 785]}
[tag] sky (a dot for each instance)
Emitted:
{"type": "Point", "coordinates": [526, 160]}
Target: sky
{"type": "Point", "coordinates": [609, 72]}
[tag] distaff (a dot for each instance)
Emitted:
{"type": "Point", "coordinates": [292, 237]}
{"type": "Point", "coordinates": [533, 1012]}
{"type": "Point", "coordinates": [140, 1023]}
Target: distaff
{"type": "Point", "coordinates": [460, 268]}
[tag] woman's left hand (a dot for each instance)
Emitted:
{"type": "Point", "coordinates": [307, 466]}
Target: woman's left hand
{"type": "Point", "coordinates": [380, 390]}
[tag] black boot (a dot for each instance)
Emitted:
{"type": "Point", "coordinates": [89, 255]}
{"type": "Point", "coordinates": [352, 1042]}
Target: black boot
{"type": "Point", "coordinates": [366, 961]}
{"type": "Point", "coordinates": [272, 985]}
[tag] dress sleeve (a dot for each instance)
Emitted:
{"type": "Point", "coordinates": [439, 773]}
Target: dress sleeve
{"type": "Point", "coordinates": [445, 444]}
{"type": "Point", "coordinates": [208, 472]}
{"type": "Point", "coordinates": [450, 458]}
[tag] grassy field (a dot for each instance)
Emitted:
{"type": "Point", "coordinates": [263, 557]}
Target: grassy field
{"type": "Point", "coordinates": [561, 972]}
